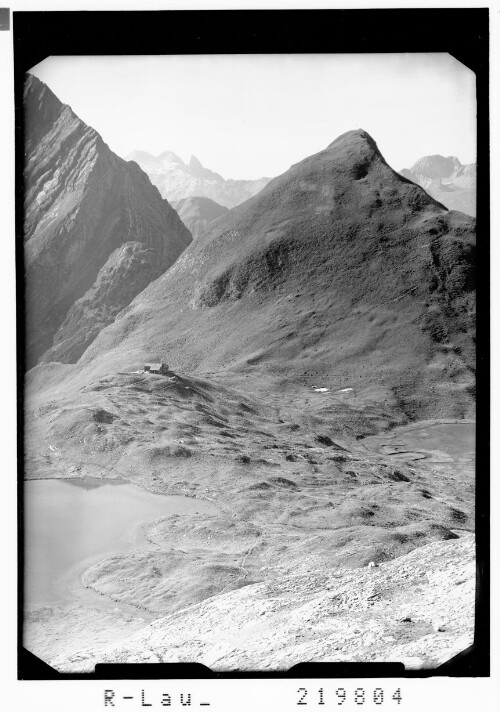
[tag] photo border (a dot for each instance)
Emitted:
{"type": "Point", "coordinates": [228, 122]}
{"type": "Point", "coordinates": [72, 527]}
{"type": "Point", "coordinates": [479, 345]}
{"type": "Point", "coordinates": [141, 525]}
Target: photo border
{"type": "Point", "coordinates": [464, 33]}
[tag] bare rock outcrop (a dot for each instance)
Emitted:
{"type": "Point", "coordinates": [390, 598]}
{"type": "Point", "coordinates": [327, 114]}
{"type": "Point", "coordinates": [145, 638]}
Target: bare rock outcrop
{"type": "Point", "coordinates": [82, 203]}
{"type": "Point", "coordinates": [417, 609]}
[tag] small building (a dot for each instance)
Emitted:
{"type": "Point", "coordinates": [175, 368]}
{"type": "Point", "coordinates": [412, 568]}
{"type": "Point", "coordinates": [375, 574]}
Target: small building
{"type": "Point", "coordinates": [160, 368]}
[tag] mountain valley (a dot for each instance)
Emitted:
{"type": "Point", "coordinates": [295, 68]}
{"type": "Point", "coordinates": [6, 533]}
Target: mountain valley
{"type": "Point", "coordinates": [320, 395]}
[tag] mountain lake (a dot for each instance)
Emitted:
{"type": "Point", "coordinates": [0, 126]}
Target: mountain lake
{"type": "Point", "coordinates": [70, 523]}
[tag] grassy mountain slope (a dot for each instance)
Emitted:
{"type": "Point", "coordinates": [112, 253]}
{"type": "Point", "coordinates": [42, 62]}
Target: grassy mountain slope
{"type": "Point", "coordinates": [196, 213]}
{"type": "Point", "coordinates": [340, 271]}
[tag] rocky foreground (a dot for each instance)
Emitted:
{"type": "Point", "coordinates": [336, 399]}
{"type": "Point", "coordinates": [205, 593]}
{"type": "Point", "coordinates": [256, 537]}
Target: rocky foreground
{"type": "Point", "coordinates": [417, 609]}
{"type": "Point", "coordinates": [280, 573]}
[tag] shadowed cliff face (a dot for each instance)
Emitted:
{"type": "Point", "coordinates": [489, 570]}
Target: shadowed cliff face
{"type": "Point", "coordinates": [339, 271]}
{"type": "Point", "coordinates": [82, 204]}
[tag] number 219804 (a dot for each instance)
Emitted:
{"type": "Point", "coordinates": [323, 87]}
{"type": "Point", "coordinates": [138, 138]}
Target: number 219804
{"type": "Point", "coordinates": [341, 695]}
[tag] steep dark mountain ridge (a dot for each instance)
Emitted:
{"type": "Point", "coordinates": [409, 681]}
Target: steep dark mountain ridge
{"type": "Point", "coordinates": [96, 231]}
{"type": "Point", "coordinates": [447, 180]}
{"type": "Point", "coordinates": [339, 271]}
{"type": "Point", "coordinates": [177, 180]}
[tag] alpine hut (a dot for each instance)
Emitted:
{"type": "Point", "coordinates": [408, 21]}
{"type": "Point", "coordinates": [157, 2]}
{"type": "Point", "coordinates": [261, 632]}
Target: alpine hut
{"type": "Point", "coordinates": [160, 368]}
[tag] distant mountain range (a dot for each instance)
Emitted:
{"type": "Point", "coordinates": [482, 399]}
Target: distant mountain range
{"type": "Point", "coordinates": [177, 180]}
{"type": "Point", "coordinates": [96, 230]}
{"type": "Point", "coordinates": [447, 180]}
{"type": "Point", "coordinates": [196, 213]}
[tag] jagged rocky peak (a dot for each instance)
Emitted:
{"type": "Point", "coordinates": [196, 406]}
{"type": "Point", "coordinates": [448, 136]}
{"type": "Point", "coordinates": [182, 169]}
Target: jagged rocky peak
{"type": "Point", "coordinates": [177, 180]}
{"type": "Point", "coordinates": [155, 163]}
{"type": "Point", "coordinates": [447, 180]}
{"type": "Point", "coordinates": [437, 167]}
{"type": "Point", "coordinates": [170, 157]}
{"type": "Point", "coordinates": [82, 202]}
{"type": "Point", "coordinates": [50, 127]}
{"type": "Point", "coordinates": [141, 157]}
{"type": "Point", "coordinates": [195, 163]}
{"type": "Point", "coordinates": [43, 109]}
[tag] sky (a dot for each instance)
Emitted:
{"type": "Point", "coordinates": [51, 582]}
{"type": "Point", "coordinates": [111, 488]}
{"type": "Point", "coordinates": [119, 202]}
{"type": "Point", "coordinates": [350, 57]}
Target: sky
{"type": "Point", "coordinates": [247, 116]}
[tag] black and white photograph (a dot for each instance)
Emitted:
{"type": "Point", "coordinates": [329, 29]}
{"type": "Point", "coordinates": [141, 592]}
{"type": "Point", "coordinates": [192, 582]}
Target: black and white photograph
{"type": "Point", "coordinates": [249, 359]}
